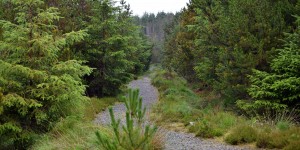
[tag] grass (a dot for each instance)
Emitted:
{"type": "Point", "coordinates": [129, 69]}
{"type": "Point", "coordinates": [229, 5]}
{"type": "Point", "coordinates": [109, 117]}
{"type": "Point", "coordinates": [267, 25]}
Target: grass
{"type": "Point", "coordinates": [274, 138]}
{"type": "Point", "coordinates": [96, 105]}
{"type": "Point", "coordinates": [179, 104]}
{"type": "Point", "coordinates": [176, 100]}
{"type": "Point", "coordinates": [209, 127]}
{"type": "Point", "coordinates": [242, 134]}
{"type": "Point", "coordinates": [181, 108]}
{"type": "Point", "coordinates": [75, 132]}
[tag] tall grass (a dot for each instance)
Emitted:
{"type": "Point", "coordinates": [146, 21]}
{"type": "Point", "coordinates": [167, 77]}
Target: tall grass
{"type": "Point", "coordinates": [76, 132]}
{"type": "Point", "coordinates": [178, 103]}
{"type": "Point", "coordinates": [176, 100]}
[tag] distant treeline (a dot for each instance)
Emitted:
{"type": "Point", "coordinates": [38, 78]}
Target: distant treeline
{"type": "Point", "coordinates": [153, 26]}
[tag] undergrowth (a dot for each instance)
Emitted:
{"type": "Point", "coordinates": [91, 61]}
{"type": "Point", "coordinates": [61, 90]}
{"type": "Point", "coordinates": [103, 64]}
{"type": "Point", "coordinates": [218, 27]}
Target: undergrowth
{"type": "Point", "coordinates": [76, 132]}
{"type": "Point", "coordinates": [205, 116]}
{"type": "Point", "coordinates": [242, 134]}
{"type": "Point", "coordinates": [178, 103]}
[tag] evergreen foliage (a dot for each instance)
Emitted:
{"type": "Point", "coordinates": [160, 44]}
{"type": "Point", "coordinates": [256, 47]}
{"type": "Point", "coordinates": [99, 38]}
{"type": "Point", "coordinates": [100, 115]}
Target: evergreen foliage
{"type": "Point", "coordinates": [37, 87]}
{"type": "Point", "coordinates": [280, 88]}
{"type": "Point", "coordinates": [133, 104]}
{"type": "Point", "coordinates": [45, 46]}
{"type": "Point", "coordinates": [134, 134]}
{"type": "Point", "coordinates": [219, 42]}
{"type": "Point", "coordinates": [114, 48]}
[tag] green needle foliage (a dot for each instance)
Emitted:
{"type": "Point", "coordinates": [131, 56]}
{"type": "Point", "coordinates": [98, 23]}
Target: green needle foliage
{"type": "Point", "coordinates": [280, 88]}
{"type": "Point", "coordinates": [218, 42]}
{"type": "Point", "coordinates": [133, 104]}
{"type": "Point", "coordinates": [134, 134]}
{"type": "Point", "coordinates": [114, 48]}
{"type": "Point", "coordinates": [37, 87]}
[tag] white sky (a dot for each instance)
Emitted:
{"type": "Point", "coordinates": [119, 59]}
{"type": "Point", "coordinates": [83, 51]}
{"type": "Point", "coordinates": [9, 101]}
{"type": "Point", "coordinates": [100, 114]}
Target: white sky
{"type": "Point", "coordinates": [153, 6]}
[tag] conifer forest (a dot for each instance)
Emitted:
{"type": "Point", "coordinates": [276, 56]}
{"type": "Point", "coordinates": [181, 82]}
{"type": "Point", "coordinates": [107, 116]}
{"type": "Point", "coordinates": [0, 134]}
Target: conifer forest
{"type": "Point", "coordinates": [89, 74]}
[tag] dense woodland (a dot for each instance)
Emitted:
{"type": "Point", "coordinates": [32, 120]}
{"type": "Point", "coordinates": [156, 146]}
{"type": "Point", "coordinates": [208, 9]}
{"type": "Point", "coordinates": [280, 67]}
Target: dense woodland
{"type": "Point", "coordinates": [245, 51]}
{"type": "Point", "coordinates": [55, 54]}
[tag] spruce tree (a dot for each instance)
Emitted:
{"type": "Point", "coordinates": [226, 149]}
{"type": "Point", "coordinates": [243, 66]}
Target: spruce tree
{"type": "Point", "coordinates": [278, 89]}
{"type": "Point", "coordinates": [114, 48]}
{"type": "Point", "coordinates": [220, 42]}
{"type": "Point", "coordinates": [37, 86]}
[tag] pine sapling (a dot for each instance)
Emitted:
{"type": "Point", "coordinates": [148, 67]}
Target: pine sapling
{"type": "Point", "coordinates": [134, 134]}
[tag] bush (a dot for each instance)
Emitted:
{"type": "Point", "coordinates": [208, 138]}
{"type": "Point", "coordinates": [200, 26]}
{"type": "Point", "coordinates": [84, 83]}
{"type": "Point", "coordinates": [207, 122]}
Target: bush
{"type": "Point", "coordinates": [242, 134]}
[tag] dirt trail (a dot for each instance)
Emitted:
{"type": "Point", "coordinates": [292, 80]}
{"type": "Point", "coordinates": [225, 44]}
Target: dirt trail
{"type": "Point", "coordinates": [173, 140]}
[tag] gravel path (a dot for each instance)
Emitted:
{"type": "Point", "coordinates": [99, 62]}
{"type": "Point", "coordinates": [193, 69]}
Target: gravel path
{"type": "Point", "coordinates": [173, 140]}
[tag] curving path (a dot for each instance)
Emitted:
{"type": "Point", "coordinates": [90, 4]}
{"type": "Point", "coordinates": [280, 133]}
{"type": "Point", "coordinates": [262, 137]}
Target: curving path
{"type": "Point", "coordinates": [173, 140]}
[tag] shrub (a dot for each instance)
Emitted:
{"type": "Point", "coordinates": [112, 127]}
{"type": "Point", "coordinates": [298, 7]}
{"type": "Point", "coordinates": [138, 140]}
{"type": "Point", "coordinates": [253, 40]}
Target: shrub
{"type": "Point", "coordinates": [242, 134]}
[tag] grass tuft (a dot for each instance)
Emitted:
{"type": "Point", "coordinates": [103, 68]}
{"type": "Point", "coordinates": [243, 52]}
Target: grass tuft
{"type": "Point", "coordinates": [209, 127]}
{"type": "Point", "coordinates": [242, 134]}
{"type": "Point", "coordinates": [279, 139]}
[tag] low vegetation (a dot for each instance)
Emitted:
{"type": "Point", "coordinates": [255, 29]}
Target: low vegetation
{"type": "Point", "coordinates": [134, 134]}
{"type": "Point", "coordinates": [76, 132]}
{"type": "Point", "coordinates": [206, 116]}
{"type": "Point", "coordinates": [241, 134]}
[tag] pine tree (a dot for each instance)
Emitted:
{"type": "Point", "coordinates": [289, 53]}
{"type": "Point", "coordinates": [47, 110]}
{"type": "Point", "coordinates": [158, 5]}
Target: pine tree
{"type": "Point", "coordinates": [114, 48]}
{"type": "Point", "coordinates": [37, 86]}
{"type": "Point", "coordinates": [220, 42]}
{"type": "Point", "coordinates": [280, 88]}
{"type": "Point", "coordinates": [135, 133]}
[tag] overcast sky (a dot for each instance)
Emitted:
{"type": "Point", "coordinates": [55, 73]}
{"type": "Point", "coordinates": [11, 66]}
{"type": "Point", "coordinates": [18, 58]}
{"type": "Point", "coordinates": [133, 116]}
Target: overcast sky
{"type": "Point", "coordinates": [153, 6]}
